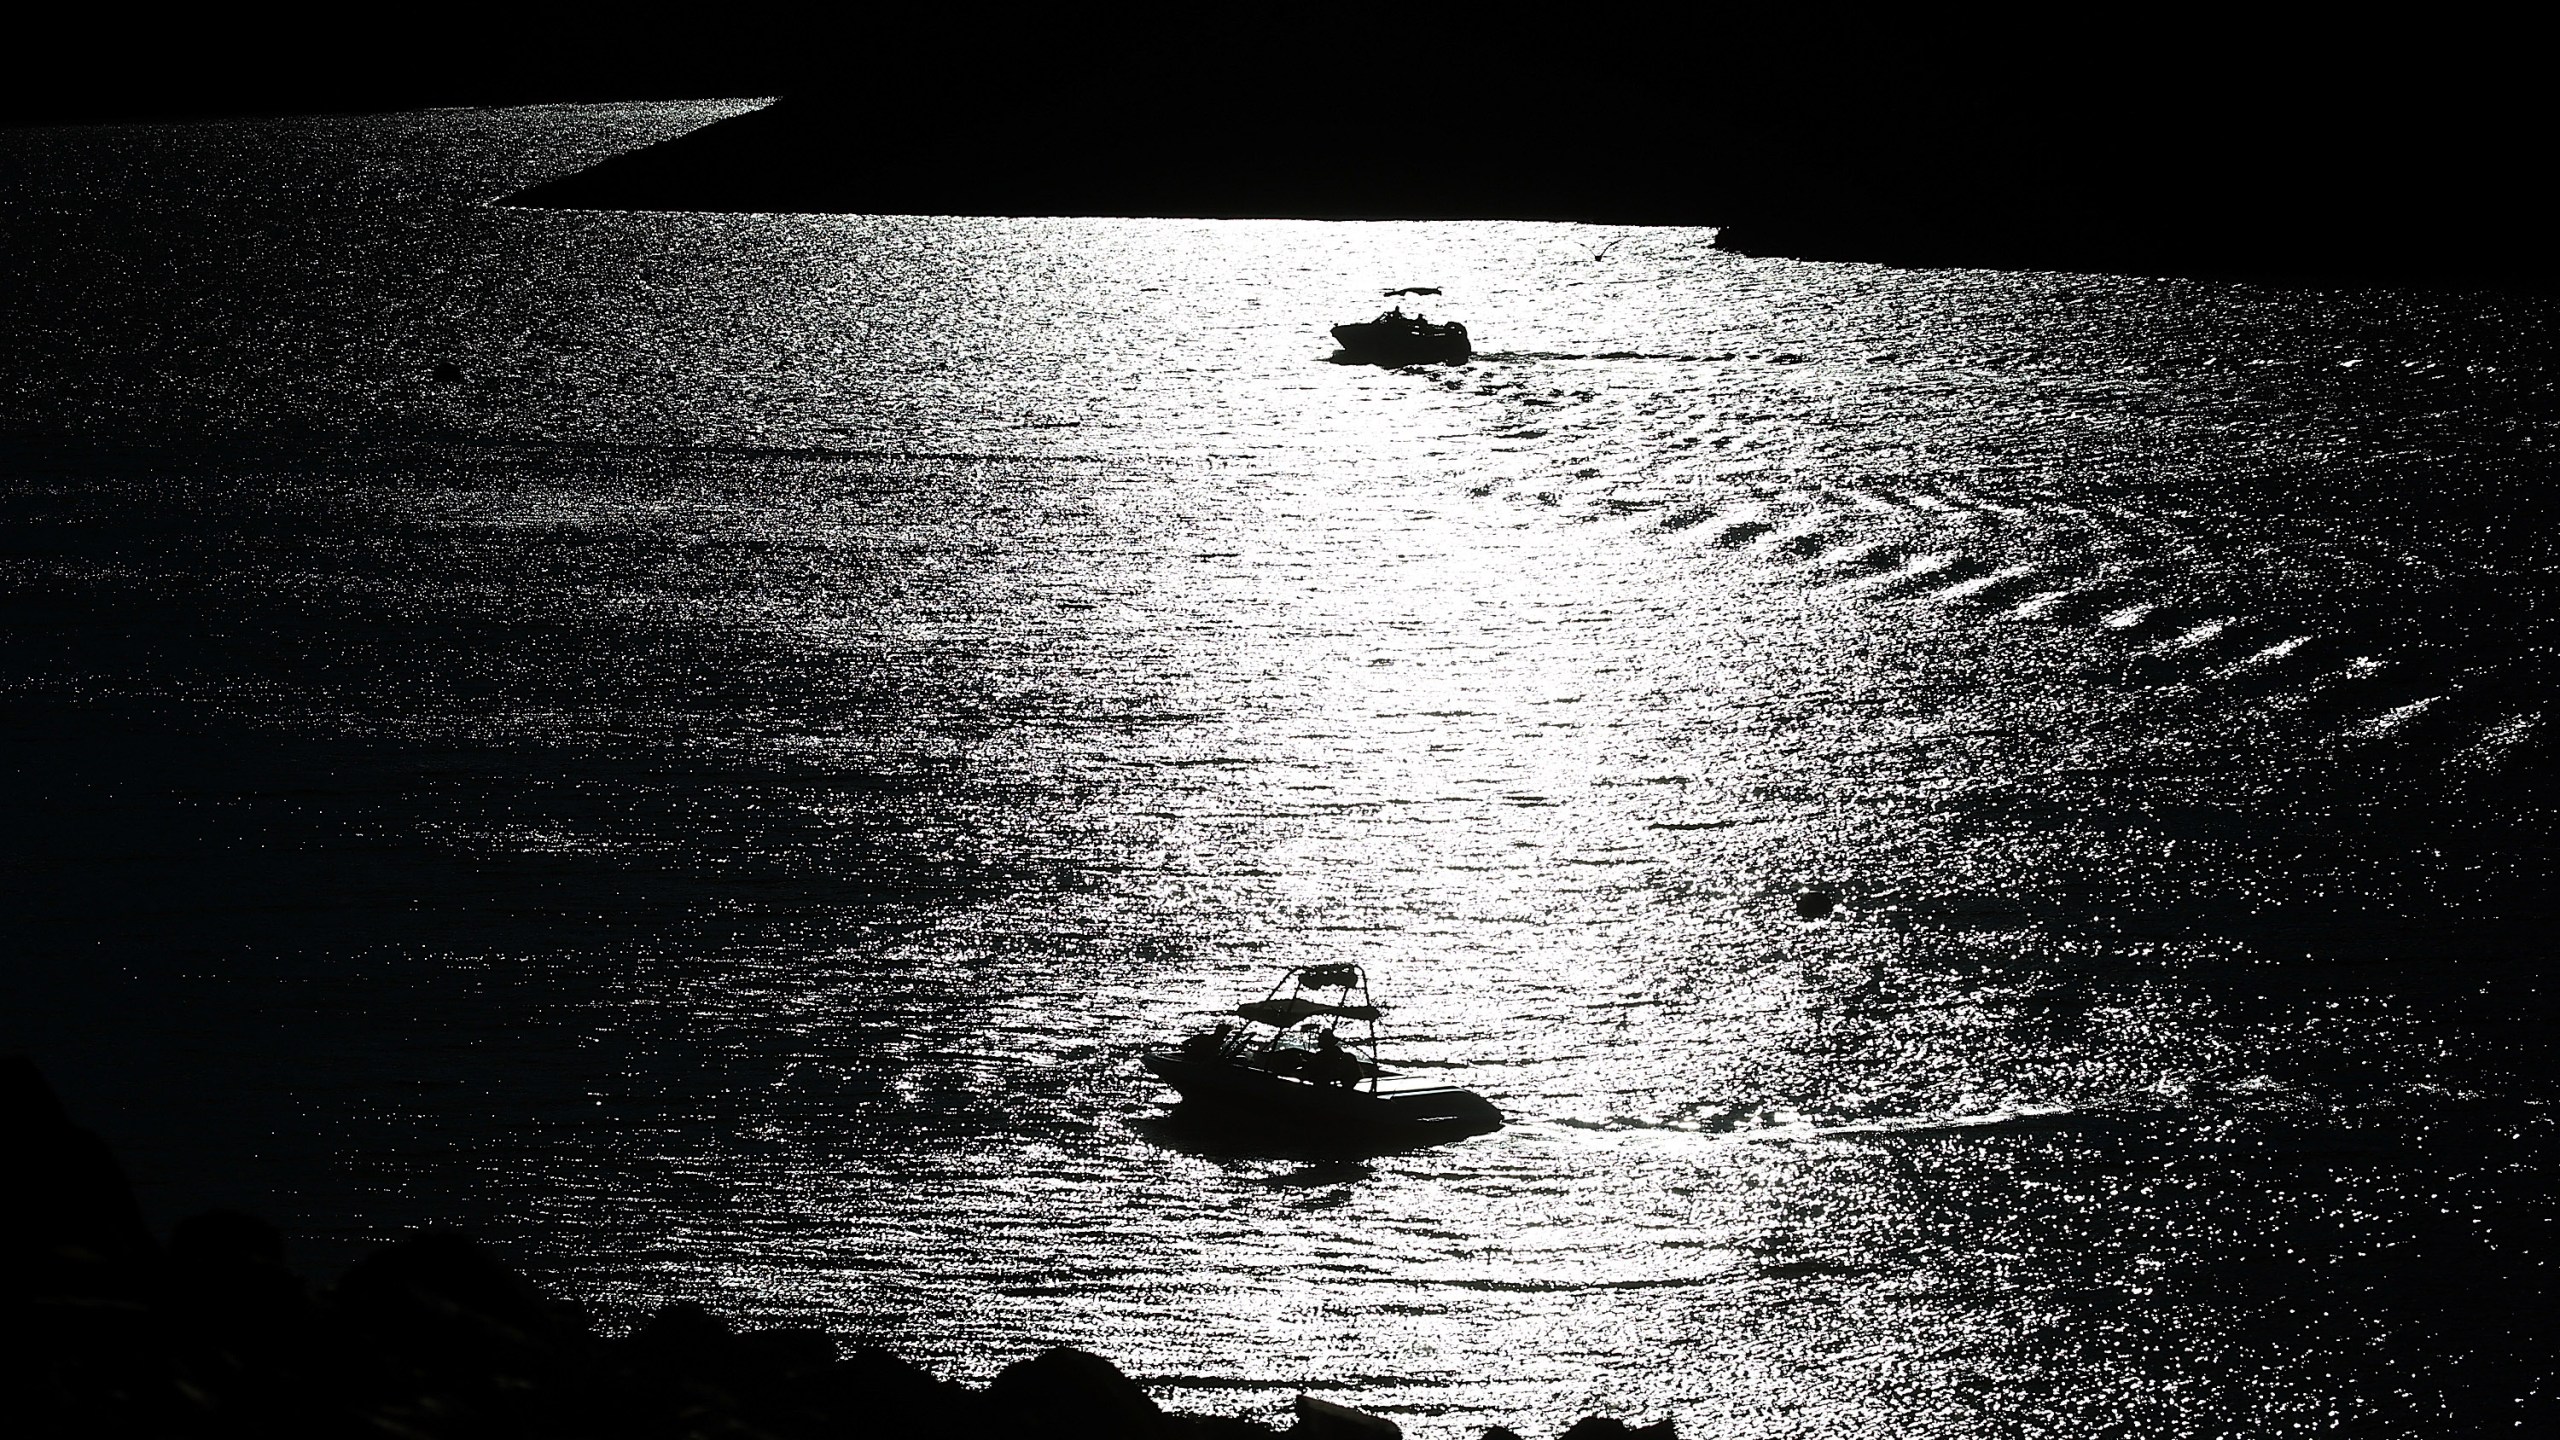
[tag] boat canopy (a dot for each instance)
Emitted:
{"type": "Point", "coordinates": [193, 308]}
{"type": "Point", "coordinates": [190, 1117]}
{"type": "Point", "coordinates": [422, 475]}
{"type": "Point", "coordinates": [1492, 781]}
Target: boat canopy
{"type": "Point", "coordinates": [1281, 1014]}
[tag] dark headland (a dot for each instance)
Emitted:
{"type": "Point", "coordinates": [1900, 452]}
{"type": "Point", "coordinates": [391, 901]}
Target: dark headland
{"type": "Point", "coordinates": [2407, 149]}
{"type": "Point", "coordinates": [2126, 153]}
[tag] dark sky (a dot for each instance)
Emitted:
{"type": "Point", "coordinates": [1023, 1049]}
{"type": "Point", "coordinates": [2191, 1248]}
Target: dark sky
{"type": "Point", "coordinates": [1422, 77]}
{"type": "Point", "coordinates": [116, 65]}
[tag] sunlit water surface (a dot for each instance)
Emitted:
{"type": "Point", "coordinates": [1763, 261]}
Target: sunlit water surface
{"type": "Point", "coordinates": [712, 790]}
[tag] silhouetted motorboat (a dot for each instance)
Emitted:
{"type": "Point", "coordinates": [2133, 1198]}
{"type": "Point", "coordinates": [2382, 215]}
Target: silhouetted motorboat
{"type": "Point", "coordinates": [1396, 338]}
{"type": "Point", "coordinates": [1306, 1059]}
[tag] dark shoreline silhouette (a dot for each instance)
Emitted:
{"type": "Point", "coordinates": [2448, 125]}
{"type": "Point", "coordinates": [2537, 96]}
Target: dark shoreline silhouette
{"type": "Point", "coordinates": [211, 1334]}
{"type": "Point", "coordinates": [2291, 172]}
{"type": "Point", "coordinates": [2404, 154]}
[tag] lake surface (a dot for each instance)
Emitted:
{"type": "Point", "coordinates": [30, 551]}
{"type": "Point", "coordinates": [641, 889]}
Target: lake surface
{"type": "Point", "coordinates": [700, 747]}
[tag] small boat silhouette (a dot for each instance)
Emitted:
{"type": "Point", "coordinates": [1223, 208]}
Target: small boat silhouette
{"type": "Point", "coordinates": [1395, 338]}
{"type": "Point", "coordinates": [1306, 1059]}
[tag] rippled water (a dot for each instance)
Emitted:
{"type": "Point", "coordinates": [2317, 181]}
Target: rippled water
{"type": "Point", "coordinates": [715, 796]}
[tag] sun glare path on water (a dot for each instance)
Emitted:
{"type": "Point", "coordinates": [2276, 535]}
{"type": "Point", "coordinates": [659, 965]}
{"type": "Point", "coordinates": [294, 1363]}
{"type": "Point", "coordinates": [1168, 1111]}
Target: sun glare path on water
{"type": "Point", "coordinates": [1965, 819]}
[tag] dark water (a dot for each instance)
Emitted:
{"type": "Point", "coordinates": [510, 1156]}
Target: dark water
{"type": "Point", "coordinates": [712, 790]}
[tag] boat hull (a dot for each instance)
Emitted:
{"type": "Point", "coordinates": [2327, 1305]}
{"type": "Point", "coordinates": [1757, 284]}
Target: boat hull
{"type": "Point", "coordinates": [1397, 1106]}
{"type": "Point", "coordinates": [1379, 343]}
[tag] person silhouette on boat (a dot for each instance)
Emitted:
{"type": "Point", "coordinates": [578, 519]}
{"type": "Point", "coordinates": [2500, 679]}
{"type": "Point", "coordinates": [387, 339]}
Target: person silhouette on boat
{"type": "Point", "coordinates": [1332, 1064]}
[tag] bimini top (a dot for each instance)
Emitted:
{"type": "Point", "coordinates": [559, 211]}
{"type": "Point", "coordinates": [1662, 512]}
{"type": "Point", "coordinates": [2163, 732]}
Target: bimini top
{"type": "Point", "coordinates": [1350, 1000]}
{"type": "Point", "coordinates": [1280, 1014]}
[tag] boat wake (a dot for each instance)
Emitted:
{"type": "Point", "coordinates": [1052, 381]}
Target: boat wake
{"type": "Point", "coordinates": [1761, 1124]}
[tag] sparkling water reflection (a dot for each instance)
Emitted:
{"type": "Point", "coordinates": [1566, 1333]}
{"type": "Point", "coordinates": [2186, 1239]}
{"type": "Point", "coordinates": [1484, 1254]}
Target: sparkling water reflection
{"type": "Point", "coordinates": [716, 797]}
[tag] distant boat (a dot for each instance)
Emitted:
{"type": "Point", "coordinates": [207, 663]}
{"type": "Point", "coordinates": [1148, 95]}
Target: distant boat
{"type": "Point", "coordinates": [1396, 338]}
{"type": "Point", "coordinates": [1306, 1061]}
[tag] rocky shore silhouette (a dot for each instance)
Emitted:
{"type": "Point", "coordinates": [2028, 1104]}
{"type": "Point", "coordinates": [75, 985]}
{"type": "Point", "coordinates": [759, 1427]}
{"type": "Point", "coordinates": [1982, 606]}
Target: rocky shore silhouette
{"type": "Point", "coordinates": [209, 1333]}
